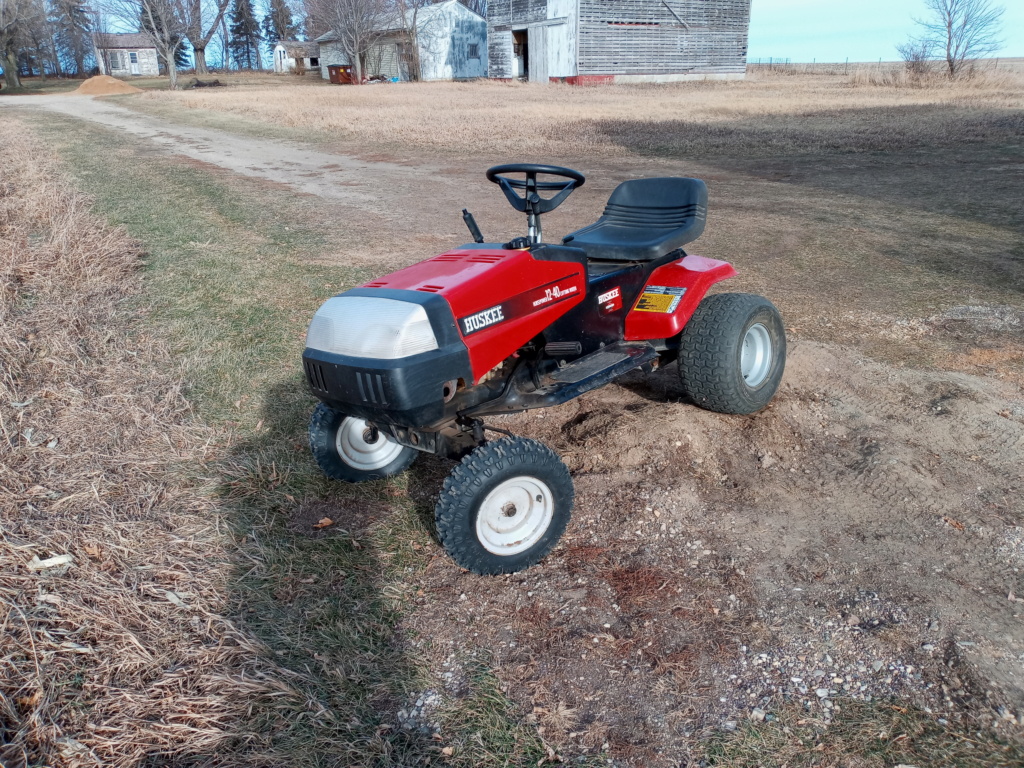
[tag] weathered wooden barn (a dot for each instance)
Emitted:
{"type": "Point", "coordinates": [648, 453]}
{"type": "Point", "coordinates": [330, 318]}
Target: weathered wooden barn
{"type": "Point", "coordinates": [624, 40]}
{"type": "Point", "coordinates": [443, 41]}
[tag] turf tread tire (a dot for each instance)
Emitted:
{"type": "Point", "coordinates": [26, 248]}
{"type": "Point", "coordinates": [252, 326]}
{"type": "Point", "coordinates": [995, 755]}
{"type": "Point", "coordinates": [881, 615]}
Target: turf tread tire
{"type": "Point", "coordinates": [323, 427]}
{"type": "Point", "coordinates": [709, 353]}
{"type": "Point", "coordinates": [474, 477]}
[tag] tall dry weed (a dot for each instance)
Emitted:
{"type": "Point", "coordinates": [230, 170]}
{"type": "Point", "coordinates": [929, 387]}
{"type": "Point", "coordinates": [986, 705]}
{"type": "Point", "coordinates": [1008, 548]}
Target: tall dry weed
{"type": "Point", "coordinates": [113, 574]}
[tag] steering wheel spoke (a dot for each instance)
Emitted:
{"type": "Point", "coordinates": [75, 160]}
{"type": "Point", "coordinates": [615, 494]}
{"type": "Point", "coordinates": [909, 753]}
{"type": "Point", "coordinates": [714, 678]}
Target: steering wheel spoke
{"type": "Point", "coordinates": [531, 201]}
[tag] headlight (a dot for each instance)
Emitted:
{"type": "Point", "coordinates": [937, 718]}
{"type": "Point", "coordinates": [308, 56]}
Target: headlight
{"type": "Point", "coordinates": [363, 326]}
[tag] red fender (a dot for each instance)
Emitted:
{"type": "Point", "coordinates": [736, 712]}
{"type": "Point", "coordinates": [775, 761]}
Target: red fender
{"type": "Point", "coordinates": [671, 296]}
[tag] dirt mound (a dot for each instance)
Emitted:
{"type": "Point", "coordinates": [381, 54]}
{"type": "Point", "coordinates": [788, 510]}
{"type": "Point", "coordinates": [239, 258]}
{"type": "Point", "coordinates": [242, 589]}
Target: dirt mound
{"type": "Point", "coordinates": [105, 85]}
{"type": "Point", "coordinates": [860, 538]}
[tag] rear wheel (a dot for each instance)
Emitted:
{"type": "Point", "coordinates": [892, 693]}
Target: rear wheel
{"type": "Point", "coordinates": [505, 506]}
{"type": "Point", "coordinates": [347, 448]}
{"type": "Point", "coordinates": [732, 353]}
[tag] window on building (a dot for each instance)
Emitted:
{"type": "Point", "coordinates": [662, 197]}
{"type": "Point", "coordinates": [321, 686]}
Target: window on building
{"type": "Point", "coordinates": [134, 57]}
{"type": "Point", "coordinates": [314, 61]}
{"type": "Point", "coordinates": [474, 51]}
{"type": "Point", "coordinates": [115, 60]}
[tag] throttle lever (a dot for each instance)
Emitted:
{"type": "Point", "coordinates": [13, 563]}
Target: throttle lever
{"type": "Point", "coordinates": [474, 230]}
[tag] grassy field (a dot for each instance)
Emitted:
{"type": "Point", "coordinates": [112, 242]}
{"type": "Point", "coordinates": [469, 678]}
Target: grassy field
{"type": "Point", "coordinates": [247, 640]}
{"type": "Point", "coordinates": [205, 619]}
{"type": "Point", "coordinates": [760, 115]}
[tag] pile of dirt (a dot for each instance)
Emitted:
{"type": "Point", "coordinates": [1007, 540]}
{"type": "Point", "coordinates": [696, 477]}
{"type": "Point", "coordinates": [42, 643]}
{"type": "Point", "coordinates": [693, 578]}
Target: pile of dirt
{"type": "Point", "coordinates": [860, 538]}
{"type": "Point", "coordinates": [105, 85]}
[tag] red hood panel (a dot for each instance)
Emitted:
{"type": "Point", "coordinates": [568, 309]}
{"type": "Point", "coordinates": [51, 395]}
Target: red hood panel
{"type": "Point", "coordinates": [501, 299]}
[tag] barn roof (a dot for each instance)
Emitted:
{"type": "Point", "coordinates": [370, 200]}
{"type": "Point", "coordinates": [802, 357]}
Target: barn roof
{"type": "Point", "coordinates": [122, 40]}
{"type": "Point", "coordinates": [300, 49]}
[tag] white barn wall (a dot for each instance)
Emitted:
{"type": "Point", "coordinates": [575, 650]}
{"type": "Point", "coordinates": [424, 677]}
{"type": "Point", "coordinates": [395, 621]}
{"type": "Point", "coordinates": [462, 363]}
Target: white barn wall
{"type": "Point", "coordinates": [634, 40]}
{"type": "Point", "coordinates": [331, 55]}
{"type": "Point", "coordinates": [444, 37]}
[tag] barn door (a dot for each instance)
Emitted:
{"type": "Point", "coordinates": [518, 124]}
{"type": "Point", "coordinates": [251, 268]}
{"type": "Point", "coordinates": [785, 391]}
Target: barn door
{"type": "Point", "coordinates": [538, 53]}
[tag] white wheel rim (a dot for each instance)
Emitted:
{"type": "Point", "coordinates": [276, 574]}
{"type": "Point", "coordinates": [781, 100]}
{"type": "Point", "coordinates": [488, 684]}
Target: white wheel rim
{"type": "Point", "coordinates": [756, 355]}
{"type": "Point", "coordinates": [364, 448]}
{"type": "Point", "coordinates": [515, 516]}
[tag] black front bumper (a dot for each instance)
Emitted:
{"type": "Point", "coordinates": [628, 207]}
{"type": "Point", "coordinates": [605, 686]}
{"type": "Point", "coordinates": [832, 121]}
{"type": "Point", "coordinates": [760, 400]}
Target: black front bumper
{"type": "Point", "coordinates": [407, 392]}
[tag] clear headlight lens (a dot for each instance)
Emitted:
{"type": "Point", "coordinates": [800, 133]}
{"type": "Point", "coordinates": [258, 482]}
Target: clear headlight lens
{"type": "Point", "coordinates": [363, 326]}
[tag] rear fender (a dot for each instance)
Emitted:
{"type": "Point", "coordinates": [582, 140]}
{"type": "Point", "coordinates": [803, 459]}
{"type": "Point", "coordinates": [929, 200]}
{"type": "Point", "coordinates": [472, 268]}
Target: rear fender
{"type": "Point", "coordinates": [671, 296]}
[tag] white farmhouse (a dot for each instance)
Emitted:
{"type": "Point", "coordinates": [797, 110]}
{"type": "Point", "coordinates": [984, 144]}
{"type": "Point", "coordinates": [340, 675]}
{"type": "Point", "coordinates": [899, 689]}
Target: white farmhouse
{"type": "Point", "coordinates": [444, 41]}
{"type": "Point", "coordinates": [296, 56]}
{"type": "Point", "coordinates": [125, 55]}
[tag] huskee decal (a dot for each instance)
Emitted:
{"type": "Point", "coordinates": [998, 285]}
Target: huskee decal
{"type": "Point", "coordinates": [610, 301]}
{"type": "Point", "coordinates": [481, 320]}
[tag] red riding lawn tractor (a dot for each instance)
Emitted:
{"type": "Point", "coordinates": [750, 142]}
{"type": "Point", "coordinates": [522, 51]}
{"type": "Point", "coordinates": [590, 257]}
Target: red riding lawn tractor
{"type": "Point", "coordinates": [416, 360]}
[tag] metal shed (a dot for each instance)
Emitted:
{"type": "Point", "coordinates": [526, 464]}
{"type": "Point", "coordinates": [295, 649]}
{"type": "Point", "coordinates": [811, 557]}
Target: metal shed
{"type": "Point", "coordinates": [624, 41]}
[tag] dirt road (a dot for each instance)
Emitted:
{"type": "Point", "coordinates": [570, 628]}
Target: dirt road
{"type": "Point", "coordinates": [863, 537]}
{"type": "Point", "coordinates": [333, 177]}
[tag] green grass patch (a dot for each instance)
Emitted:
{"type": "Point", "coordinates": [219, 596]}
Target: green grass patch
{"type": "Point", "coordinates": [231, 286]}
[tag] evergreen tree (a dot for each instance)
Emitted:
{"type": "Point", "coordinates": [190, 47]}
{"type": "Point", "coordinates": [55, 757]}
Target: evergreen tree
{"type": "Point", "coordinates": [279, 24]}
{"type": "Point", "coordinates": [73, 34]}
{"type": "Point", "coordinates": [245, 36]}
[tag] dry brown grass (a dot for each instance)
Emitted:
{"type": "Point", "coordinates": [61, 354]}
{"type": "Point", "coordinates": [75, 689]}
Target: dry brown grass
{"type": "Point", "coordinates": [121, 653]}
{"type": "Point", "coordinates": [527, 119]}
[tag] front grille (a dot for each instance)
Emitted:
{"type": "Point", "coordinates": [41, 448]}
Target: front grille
{"type": "Point", "coordinates": [315, 376]}
{"type": "Point", "coordinates": [371, 388]}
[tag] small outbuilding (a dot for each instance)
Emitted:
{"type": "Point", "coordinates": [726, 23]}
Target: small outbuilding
{"type": "Point", "coordinates": [582, 41]}
{"type": "Point", "coordinates": [296, 56]}
{"type": "Point", "coordinates": [125, 55]}
{"type": "Point", "coordinates": [443, 41]}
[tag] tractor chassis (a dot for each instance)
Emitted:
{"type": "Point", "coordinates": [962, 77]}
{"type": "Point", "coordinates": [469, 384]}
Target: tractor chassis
{"type": "Point", "coordinates": [526, 389]}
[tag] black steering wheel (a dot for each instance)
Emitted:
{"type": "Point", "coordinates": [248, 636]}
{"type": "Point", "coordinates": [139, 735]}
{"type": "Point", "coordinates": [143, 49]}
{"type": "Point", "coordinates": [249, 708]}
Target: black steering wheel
{"type": "Point", "coordinates": [531, 201]}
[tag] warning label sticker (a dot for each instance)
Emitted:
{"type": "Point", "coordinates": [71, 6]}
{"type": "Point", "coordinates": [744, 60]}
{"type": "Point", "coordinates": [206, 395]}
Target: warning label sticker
{"type": "Point", "coordinates": [660, 298]}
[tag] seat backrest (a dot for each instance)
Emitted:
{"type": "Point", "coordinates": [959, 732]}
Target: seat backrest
{"type": "Point", "coordinates": [667, 203]}
{"type": "Point", "coordinates": [646, 219]}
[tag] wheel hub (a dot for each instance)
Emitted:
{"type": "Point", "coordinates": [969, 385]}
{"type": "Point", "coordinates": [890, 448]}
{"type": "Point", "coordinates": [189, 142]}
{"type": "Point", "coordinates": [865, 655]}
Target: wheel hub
{"type": "Point", "coordinates": [515, 516]}
{"type": "Point", "coordinates": [756, 355]}
{"type": "Point", "coordinates": [363, 447]}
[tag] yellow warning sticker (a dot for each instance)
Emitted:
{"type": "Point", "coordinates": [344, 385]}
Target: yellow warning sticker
{"type": "Point", "coordinates": [659, 298]}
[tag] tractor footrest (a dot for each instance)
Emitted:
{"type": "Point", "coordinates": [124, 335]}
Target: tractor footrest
{"type": "Point", "coordinates": [604, 364]}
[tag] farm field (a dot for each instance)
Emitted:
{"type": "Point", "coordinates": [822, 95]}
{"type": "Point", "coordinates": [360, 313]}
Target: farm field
{"type": "Point", "coordinates": [833, 581]}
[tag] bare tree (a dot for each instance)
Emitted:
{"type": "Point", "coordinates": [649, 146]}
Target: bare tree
{"type": "Point", "coordinates": [200, 18]}
{"type": "Point", "coordinates": [357, 25]}
{"type": "Point", "coordinates": [16, 16]}
{"type": "Point", "coordinates": [159, 20]}
{"type": "Point", "coordinates": [963, 29]}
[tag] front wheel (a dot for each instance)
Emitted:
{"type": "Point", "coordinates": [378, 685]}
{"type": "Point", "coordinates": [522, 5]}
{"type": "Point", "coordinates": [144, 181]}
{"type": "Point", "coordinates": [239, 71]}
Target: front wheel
{"type": "Point", "coordinates": [732, 353]}
{"type": "Point", "coordinates": [347, 448]}
{"type": "Point", "coordinates": [505, 506]}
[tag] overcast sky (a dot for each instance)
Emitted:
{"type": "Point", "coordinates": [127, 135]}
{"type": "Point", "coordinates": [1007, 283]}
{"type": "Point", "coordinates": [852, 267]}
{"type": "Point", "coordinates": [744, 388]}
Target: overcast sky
{"type": "Point", "coordinates": [863, 30]}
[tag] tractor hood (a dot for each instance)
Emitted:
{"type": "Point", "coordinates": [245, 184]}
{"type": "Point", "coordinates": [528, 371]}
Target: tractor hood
{"type": "Point", "coordinates": [500, 299]}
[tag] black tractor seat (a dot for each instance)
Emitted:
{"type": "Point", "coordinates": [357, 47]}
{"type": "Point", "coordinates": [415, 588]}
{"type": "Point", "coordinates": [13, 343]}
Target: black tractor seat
{"type": "Point", "coordinates": [645, 219]}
